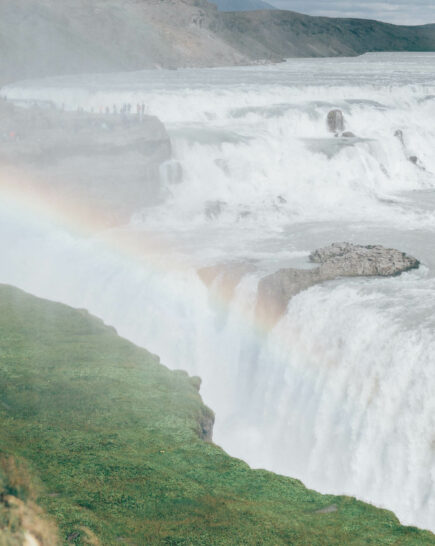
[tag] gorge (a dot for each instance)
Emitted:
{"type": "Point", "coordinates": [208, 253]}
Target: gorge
{"type": "Point", "coordinates": [337, 392]}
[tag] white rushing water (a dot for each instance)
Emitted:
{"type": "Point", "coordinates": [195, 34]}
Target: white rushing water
{"type": "Point", "coordinates": [340, 392]}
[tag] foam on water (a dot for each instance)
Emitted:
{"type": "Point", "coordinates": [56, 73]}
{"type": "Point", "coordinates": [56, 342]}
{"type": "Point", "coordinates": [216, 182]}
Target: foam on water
{"type": "Point", "coordinates": [340, 393]}
{"type": "Point", "coordinates": [253, 143]}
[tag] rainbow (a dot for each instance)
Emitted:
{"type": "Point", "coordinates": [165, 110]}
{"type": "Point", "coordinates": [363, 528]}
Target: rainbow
{"type": "Point", "coordinates": [31, 200]}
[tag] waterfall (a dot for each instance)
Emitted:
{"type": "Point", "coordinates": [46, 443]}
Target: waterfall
{"type": "Point", "coordinates": [340, 392]}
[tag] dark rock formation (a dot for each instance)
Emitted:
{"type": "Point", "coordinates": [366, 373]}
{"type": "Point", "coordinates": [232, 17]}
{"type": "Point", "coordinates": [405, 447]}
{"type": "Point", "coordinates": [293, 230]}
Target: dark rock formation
{"type": "Point", "coordinates": [206, 424]}
{"type": "Point", "coordinates": [335, 121]}
{"type": "Point", "coordinates": [337, 260]}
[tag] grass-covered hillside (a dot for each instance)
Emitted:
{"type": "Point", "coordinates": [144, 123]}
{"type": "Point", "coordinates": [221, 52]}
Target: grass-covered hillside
{"type": "Point", "coordinates": [101, 444]}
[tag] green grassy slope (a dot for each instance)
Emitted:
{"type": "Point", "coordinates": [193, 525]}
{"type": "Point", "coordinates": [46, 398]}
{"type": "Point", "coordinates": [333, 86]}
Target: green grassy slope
{"type": "Point", "coordinates": [114, 440]}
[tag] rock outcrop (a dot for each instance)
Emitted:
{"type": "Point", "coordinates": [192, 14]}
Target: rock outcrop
{"type": "Point", "coordinates": [102, 162]}
{"type": "Point", "coordinates": [206, 424]}
{"type": "Point", "coordinates": [336, 125]}
{"type": "Point", "coordinates": [336, 260]}
{"type": "Point", "coordinates": [335, 121]}
{"type": "Point", "coordinates": [349, 260]}
{"type": "Point", "coordinates": [22, 520]}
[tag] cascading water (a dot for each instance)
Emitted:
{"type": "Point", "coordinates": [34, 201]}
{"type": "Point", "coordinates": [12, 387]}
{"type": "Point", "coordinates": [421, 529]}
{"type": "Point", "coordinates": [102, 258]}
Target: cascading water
{"type": "Point", "coordinates": [340, 392]}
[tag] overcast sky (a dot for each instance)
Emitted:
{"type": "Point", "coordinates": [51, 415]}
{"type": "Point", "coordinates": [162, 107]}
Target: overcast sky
{"type": "Point", "coordinates": [404, 12]}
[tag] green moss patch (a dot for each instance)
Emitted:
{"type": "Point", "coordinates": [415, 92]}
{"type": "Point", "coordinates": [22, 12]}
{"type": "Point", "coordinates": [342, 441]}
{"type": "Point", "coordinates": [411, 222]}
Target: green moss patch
{"type": "Point", "coordinates": [116, 441]}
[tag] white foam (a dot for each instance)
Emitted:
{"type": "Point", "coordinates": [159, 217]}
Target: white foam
{"type": "Point", "coordinates": [340, 394]}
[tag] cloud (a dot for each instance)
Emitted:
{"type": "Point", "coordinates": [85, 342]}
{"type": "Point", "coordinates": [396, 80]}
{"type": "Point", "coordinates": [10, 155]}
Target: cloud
{"type": "Point", "coordinates": [402, 12]}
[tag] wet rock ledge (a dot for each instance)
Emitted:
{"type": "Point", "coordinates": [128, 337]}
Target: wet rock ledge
{"type": "Point", "coordinates": [336, 260]}
{"type": "Point", "coordinates": [98, 165]}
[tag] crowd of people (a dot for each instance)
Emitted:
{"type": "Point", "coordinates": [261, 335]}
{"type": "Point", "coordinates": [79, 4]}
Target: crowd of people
{"type": "Point", "coordinates": [126, 111]}
{"type": "Point", "coordinates": [22, 117]}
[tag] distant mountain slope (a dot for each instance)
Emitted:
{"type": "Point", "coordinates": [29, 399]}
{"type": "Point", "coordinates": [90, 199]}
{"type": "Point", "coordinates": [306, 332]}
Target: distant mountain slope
{"type": "Point", "coordinates": [48, 37]}
{"type": "Point", "coordinates": [284, 34]}
{"type": "Point", "coordinates": [241, 5]}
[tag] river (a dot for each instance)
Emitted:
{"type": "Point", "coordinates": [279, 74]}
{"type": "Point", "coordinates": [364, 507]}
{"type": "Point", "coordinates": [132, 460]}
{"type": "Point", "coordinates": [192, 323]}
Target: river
{"type": "Point", "coordinates": [340, 393]}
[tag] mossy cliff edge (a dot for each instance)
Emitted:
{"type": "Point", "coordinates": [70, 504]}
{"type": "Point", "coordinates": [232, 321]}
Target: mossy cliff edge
{"type": "Point", "coordinates": [101, 444]}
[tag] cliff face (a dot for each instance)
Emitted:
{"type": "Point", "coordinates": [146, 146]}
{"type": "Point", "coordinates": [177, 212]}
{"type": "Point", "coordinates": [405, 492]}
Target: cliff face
{"type": "Point", "coordinates": [106, 162]}
{"type": "Point", "coordinates": [47, 37]}
{"type": "Point", "coordinates": [115, 443]}
{"type": "Point", "coordinates": [338, 260]}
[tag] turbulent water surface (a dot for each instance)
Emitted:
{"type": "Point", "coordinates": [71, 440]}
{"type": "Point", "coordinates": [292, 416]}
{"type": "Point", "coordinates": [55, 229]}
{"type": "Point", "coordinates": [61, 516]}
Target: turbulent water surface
{"type": "Point", "coordinates": [340, 392]}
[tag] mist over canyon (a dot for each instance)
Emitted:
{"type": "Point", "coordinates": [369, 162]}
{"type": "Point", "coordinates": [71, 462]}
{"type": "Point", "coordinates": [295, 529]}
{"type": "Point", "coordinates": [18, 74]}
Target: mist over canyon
{"type": "Point", "coordinates": [250, 196]}
{"type": "Point", "coordinates": [336, 389]}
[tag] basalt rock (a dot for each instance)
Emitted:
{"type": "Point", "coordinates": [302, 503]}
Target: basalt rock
{"type": "Point", "coordinates": [336, 124]}
{"type": "Point", "coordinates": [416, 161]}
{"type": "Point", "coordinates": [335, 121]}
{"type": "Point", "coordinates": [206, 424]}
{"type": "Point", "coordinates": [347, 259]}
{"type": "Point", "coordinates": [336, 260]}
